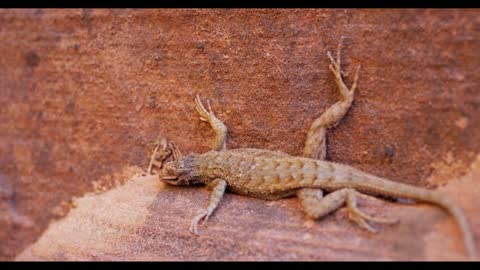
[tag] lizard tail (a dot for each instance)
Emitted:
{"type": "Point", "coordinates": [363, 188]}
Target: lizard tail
{"type": "Point", "coordinates": [460, 218]}
{"type": "Point", "coordinates": [400, 190]}
{"type": "Point", "coordinates": [467, 232]}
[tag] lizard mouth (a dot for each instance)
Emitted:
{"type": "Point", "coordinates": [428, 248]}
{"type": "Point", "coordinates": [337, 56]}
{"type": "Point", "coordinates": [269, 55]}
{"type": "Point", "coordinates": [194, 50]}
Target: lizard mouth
{"type": "Point", "coordinates": [172, 180]}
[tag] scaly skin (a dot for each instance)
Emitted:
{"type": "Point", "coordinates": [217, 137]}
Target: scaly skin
{"type": "Point", "coordinates": [272, 175]}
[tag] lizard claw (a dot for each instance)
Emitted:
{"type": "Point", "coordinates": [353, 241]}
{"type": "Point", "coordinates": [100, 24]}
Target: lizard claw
{"type": "Point", "coordinates": [205, 114]}
{"type": "Point", "coordinates": [203, 214]}
{"type": "Point", "coordinates": [361, 219]}
{"type": "Point", "coordinates": [334, 66]}
{"type": "Point", "coordinates": [356, 212]}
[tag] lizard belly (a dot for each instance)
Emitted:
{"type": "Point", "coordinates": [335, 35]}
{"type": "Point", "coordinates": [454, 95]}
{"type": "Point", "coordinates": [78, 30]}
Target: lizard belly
{"type": "Point", "coordinates": [261, 193]}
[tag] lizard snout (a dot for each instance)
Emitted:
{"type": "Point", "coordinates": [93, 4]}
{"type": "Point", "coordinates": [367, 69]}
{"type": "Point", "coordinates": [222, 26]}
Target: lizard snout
{"type": "Point", "coordinates": [169, 173]}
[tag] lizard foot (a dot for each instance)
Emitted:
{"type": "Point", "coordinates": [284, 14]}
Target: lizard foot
{"type": "Point", "coordinates": [203, 214]}
{"type": "Point", "coordinates": [361, 218]}
{"type": "Point", "coordinates": [205, 114]}
{"type": "Point", "coordinates": [335, 67]}
{"type": "Point", "coordinates": [217, 125]}
{"type": "Point", "coordinates": [163, 150]}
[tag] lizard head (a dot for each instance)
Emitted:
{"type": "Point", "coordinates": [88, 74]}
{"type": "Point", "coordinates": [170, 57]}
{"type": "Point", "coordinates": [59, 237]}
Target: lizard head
{"type": "Point", "coordinates": [164, 158]}
{"type": "Point", "coordinates": [179, 172]}
{"type": "Point", "coordinates": [175, 169]}
{"type": "Point", "coordinates": [169, 173]}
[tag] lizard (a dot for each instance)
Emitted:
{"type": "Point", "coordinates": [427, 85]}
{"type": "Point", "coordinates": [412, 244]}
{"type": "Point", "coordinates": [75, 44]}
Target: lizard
{"type": "Point", "coordinates": [272, 175]}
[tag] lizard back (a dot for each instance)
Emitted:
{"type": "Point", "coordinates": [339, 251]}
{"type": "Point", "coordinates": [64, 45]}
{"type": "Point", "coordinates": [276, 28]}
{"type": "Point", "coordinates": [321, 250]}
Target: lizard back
{"type": "Point", "coordinates": [265, 174]}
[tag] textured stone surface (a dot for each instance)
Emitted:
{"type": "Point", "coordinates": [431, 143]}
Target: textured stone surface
{"type": "Point", "coordinates": [85, 92]}
{"type": "Point", "coordinates": [148, 220]}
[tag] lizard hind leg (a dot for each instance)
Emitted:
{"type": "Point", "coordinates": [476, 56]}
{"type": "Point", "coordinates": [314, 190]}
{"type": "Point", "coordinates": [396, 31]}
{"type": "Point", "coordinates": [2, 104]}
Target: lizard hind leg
{"type": "Point", "coordinates": [316, 206]}
{"type": "Point", "coordinates": [311, 201]}
{"type": "Point", "coordinates": [217, 125]}
{"type": "Point", "coordinates": [315, 144]}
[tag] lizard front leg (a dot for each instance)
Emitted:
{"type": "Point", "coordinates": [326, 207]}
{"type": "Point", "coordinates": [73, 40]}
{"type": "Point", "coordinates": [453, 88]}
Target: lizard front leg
{"type": "Point", "coordinates": [316, 206]}
{"type": "Point", "coordinates": [163, 150]}
{"type": "Point", "coordinates": [217, 125]}
{"type": "Point", "coordinates": [218, 189]}
{"type": "Point", "coordinates": [315, 145]}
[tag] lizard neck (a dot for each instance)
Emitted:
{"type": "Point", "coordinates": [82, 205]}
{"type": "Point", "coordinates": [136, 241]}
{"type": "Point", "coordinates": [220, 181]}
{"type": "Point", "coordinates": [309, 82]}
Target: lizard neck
{"type": "Point", "coordinates": [188, 170]}
{"type": "Point", "coordinates": [208, 166]}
